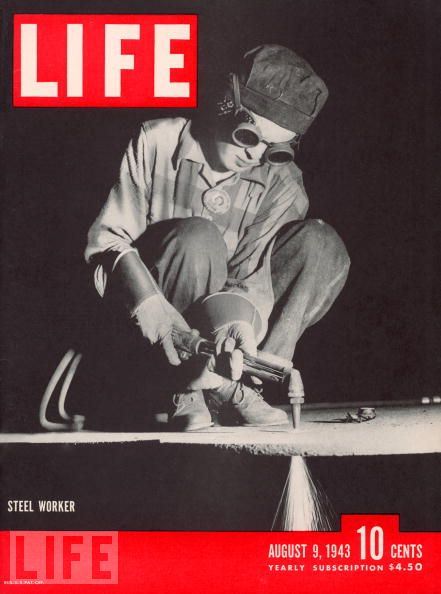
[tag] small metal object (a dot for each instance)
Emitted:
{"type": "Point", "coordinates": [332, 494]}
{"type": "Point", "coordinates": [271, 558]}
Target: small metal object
{"type": "Point", "coordinates": [431, 399]}
{"type": "Point", "coordinates": [365, 413]}
{"type": "Point", "coordinates": [78, 422]}
{"type": "Point", "coordinates": [216, 201]}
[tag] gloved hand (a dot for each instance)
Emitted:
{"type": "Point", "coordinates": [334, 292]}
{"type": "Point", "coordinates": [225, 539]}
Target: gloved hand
{"type": "Point", "coordinates": [202, 375]}
{"type": "Point", "coordinates": [157, 318]}
{"type": "Point", "coordinates": [196, 372]}
{"type": "Point", "coordinates": [232, 340]}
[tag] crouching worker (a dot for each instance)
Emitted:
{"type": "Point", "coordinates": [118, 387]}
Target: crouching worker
{"type": "Point", "coordinates": [212, 212]}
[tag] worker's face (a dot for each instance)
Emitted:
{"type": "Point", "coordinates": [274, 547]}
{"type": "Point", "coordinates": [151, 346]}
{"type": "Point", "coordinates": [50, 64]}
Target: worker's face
{"type": "Point", "coordinates": [230, 157]}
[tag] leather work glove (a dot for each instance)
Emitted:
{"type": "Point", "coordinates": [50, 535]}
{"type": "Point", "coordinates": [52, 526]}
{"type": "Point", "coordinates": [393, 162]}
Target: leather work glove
{"type": "Point", "coordinates": [157, 318]}
{"type": "Point", "coordinates": [197, 371]}
{"type": "Point", "coordinates": [232, 340]}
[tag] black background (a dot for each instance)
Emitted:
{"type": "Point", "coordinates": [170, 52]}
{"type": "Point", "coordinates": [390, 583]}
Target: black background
{"type": "Point", "coordinates": [371, 169]}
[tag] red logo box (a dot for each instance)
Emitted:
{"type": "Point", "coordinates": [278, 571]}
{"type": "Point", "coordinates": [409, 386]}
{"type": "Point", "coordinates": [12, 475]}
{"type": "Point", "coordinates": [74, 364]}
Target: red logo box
{"type": "Point", "coordinates": [105, 60]}
{"type": "Point", "coordinates": [63, 557]}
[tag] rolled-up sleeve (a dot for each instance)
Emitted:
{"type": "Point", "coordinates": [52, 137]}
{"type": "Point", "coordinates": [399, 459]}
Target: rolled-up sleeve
{"type": "Point", "coordinates": [123, 218]}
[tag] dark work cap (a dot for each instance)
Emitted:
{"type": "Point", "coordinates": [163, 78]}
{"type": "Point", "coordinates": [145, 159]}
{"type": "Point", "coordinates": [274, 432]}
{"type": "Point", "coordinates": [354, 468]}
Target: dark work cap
{"type": "Point", "coordinates": [279, 85]}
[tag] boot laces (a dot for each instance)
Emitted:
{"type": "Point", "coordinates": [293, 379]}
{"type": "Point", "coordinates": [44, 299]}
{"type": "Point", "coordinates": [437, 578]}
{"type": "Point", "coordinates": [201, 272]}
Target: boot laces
{"type": "Point", "coordinates": [245, 396]}
{"type": "Point", "coordinates": [258, 392]}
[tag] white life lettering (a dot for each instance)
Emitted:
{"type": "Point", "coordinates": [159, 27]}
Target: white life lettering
{"type": "Point", "coordinates": [30, 86]}
{"type": "Point", "coordinates": [115, 61]}
{"type": "Point", "coordinates": [74, 60]}
{"type": "Point", "coordinates": [165, 61]}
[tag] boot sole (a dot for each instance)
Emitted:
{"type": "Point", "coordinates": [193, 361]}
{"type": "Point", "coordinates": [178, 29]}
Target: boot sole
{"type": "Point", "coordinates": [198, 427]}
{"type": "Point", "coordinates": [190, 428]}
{"type": "Point", "coordinates": [279, 423]}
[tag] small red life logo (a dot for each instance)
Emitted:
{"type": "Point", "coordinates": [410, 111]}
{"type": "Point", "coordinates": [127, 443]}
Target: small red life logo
{"type": "Point", "coordinates": [63, 557]}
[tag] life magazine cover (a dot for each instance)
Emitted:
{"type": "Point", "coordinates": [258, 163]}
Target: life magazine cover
{"type": "Point", "coordinates": [220, 296]}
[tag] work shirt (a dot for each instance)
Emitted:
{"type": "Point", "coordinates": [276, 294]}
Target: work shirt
{"type": "Point", "coordinates": [164, 175]}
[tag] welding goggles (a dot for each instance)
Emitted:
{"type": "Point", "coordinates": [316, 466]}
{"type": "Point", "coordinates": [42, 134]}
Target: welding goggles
{"type": "Point", "coordinates": [246, 133]}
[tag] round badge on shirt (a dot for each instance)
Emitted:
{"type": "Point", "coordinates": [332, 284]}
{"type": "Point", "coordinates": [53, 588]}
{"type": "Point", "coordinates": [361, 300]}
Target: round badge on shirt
{"type": "Point", "coordinates": [216, 201]}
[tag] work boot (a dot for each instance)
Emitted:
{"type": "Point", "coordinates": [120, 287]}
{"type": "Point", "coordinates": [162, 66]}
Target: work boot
{"type": "Point", "coordinates": [190, 412]}
{"type": "Point", "coordinates": [241, 405]}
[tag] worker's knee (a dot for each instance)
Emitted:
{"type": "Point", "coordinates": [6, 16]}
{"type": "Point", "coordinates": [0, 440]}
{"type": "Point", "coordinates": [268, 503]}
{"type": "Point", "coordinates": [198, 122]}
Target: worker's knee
{"type": "Point", "coordinates": [312, 241]}
{"type": "Point", "coordinates": [323, 239]}
{"type": "Point", "coordinates": [200, 238]}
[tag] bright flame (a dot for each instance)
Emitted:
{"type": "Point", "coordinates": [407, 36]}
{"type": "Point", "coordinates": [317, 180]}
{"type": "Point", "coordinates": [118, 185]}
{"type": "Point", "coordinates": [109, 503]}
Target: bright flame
{"type": "Point", "coordinates": [302, 506]}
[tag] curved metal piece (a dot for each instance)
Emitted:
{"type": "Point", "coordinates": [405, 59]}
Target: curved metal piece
{"type": "Point", "coordinates": [66, 385]}
{"type": "Point", "coordinates": [72, 359]}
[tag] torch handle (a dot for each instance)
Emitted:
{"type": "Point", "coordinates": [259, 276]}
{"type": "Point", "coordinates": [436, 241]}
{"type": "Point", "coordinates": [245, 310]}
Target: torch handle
{"type": "Point", "coordinates": [264, 366]}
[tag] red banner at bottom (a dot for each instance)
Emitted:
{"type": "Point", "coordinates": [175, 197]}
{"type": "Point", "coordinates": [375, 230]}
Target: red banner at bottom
{"type": "Point", "coordinates": [368, 556]}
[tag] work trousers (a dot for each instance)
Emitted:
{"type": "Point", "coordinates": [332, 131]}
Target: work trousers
{"type": "Point", "coordinates": [309, 266]}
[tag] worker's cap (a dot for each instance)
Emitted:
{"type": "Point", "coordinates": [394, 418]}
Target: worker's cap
{"type": "Point", "coordinates": [279, 85]}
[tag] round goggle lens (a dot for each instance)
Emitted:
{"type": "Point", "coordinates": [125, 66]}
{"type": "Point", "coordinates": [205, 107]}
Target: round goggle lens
{"type": "Point", "coordinates": [245, 136]}
{"type": "Point", "coordinates": [279, 157]}
{"type": "Point", "coordinates": [280, 154]}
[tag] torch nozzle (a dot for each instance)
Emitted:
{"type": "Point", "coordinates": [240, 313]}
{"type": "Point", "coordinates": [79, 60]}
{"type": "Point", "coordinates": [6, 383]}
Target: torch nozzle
{"type": "Point", "coordinates": [296, 395]}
